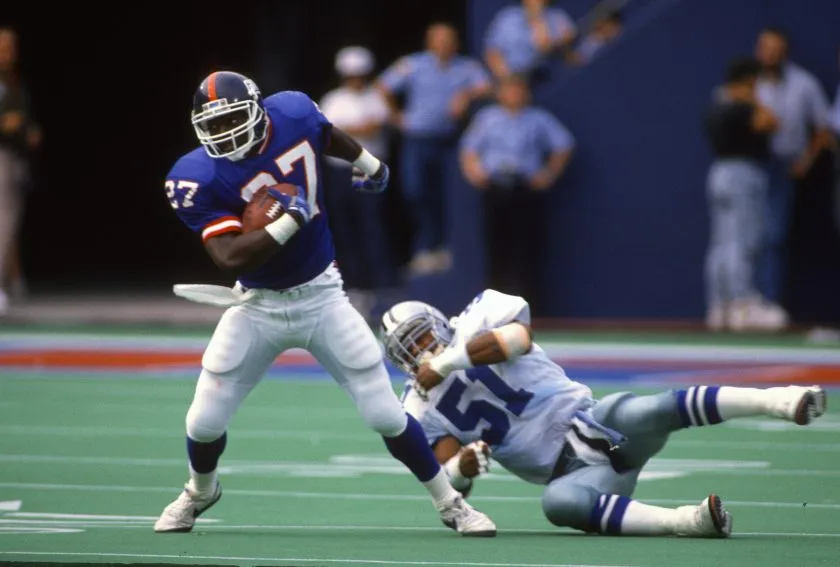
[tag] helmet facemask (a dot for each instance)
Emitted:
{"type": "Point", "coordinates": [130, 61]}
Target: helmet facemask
{"type": "Point", "coordinates": [229, 130]}
{"type": "Point", "coordinates": [416, 340]}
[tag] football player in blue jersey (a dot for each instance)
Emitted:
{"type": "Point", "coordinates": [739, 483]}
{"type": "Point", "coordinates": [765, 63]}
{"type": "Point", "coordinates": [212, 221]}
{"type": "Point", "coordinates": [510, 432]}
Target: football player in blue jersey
{"type": "Point", "coordinates": [288, 291]}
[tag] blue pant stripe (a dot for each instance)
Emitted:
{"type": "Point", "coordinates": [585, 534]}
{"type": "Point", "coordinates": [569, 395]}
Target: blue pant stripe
{"type": "Point", "coordinates": [695, 407]}
{"type": "Point", "coordinates": [682, 409]}
{"type": "Point", "coordinates": [710, 405]}
{"type": "Point", "coordinates": [617, 515]}
{"type": "Point", "coordinates": [597, 513]}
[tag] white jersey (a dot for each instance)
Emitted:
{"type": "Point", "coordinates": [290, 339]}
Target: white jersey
{"type": "Point", "coordinates": [520, 408]}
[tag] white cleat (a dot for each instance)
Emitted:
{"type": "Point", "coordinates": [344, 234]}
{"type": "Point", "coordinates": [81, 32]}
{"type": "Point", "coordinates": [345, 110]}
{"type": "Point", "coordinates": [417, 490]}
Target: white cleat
{"type": "Point", "coordinates": [181, 514]}
{"type": "Point", "coordinates": [466, 520]}
{"type": "Point", "coordinates": [708, 520]}
{"type": "Point", "coordinates": [799, 404]}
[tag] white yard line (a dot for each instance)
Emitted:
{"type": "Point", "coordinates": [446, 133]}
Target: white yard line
{"type": "Point", "coordinates": [373, 497]}
{"type": "Point", "coordinates": [290, 559]}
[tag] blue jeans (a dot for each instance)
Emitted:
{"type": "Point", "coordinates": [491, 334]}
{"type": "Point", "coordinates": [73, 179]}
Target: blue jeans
{"type": "Point", "coordinates": [837, 189]}
{"type": "Point", "coordinates": [357, 225]}
{"type": "Point", "coordinates": [426, 171]}
{"type": "Point", "coordinates": [737, 192]}
{"type": "Point", "coordinates": [778, 211]}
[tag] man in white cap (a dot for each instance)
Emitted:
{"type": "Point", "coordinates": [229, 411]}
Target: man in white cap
{"type": "Point", "coordinates": [360, 110]}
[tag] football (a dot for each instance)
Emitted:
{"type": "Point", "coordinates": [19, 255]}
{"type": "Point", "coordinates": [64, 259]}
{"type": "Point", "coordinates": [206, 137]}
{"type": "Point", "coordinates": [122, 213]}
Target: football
{"type": "Point", "coordinates": [265, 209]}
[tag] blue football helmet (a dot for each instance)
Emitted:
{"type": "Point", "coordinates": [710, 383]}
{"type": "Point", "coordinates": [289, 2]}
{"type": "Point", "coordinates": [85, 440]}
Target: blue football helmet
{"type": "Point", "coordinates": [229, 115]}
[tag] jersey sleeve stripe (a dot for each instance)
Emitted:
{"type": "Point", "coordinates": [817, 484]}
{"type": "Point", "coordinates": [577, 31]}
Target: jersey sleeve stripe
{"type": "Point", "coordinates": [221, 226]}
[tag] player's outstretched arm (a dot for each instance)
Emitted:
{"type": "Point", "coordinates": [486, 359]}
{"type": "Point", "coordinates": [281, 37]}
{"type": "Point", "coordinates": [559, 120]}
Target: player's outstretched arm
{"type": "Point", "coordinates": [345, 147]}
{"type": "Point", "coordinates": [240, 253]}
{"type": "Point", "coordinates": [490, 347]}
{"type": "Point", "coordinates": [501, 344]}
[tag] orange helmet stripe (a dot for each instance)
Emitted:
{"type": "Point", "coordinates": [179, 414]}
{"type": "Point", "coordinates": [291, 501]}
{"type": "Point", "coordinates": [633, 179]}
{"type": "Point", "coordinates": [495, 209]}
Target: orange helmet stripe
{"type": "Point", "coordinates": [211, 86]}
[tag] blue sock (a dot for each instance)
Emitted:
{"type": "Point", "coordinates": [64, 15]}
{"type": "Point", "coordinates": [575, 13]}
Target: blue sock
{"type": "Point", "coordinates": [204, 457]}
{"type": "Point", "coordinates": [698, 406]}
{"type": "Point", "coordinates": [412, 449]}
{"type": "Point", "coordinates": [607, 514]}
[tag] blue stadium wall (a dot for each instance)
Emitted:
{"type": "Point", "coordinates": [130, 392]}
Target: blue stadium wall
{"type": "Point", "coordinates": [630, 225]}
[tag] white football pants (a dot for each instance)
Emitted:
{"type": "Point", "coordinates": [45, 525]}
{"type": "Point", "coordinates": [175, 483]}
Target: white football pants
{"type": "Point", "coordinates": [315, 316]}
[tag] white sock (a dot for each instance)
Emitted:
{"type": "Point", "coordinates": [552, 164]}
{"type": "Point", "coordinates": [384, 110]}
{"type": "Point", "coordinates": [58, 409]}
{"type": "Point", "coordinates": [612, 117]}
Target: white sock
{"type": "Point", "coordinates": [644, 519]}
{"type": "Point", "coordinates": [440, 489]}
{"type": "Point", "coordinates": [203, 483]}
{"type": "Point", "coordinates": [741, 402]}
{"type": "Point", "coordinates": [614, 515]}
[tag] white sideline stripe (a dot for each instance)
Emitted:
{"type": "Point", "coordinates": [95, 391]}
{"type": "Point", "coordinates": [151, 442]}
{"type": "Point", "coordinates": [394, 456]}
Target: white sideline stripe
{"type": "Point", "coordinates": [33, 516]}
{"type": "Point", "coordinates": [299, 527]}
{"type": "Point", "coordinates": [148, 432]}
{"type": "Point", "coordinates": [283, 433]}
{"type": "Point", "coordinates": [280, 527]}
{"type": "Point", "coordinates": [294, 559]}
{"type": "Point", "coordinates": [143, 462]}
{"type": "Point", "coordinates": [756, 445]}
{"type": "Point", "coordinates": [386, 497]}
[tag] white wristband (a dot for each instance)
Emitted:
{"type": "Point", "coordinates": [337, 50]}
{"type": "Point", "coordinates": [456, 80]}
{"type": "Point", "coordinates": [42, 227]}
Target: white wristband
{"type": "Point", "coordinates": [514, 340]}
{"type": "Point", "coordinates": [283, 228]}
{"type": "Point", "coordinates": [453, 471]}
{"type": "Point", "coordinates": [367, 163]}
{"type": "Point", "coordinates": [453, 357]}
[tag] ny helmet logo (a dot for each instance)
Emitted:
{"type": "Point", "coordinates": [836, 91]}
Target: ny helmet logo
{"type": "Point", "coordinates": [253, 91]}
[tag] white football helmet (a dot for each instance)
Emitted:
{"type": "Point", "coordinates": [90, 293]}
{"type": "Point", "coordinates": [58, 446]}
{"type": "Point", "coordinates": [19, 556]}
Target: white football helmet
{"type": "Point", "coordinates": [404, 327]}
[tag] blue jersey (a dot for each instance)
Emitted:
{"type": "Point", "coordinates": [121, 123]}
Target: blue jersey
{"type": "Point", "coordinates": [209, 195]}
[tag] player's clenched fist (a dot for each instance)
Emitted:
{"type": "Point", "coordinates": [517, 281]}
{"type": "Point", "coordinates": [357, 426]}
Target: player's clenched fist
{"type": "Point", "coordinates": [475, 459]}
{"type": "Point", "coordinates": [426, 379]}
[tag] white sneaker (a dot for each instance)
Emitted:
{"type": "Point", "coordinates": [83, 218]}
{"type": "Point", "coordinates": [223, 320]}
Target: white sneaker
{"type": "Point", "coordinates": [765, 316]}
{"type": "Point", "coordinates": [799, 404]}
{"type": "Point", "coordinates": [709, 519]}
{"type": "Point", "coordinates": [466, 520]}
{"type": "Point", "coordinates": [738, 316]}
{"type": "Point", "coordinates": [180, 515]}
{"type": "Point", "coordinates": [716, 318]}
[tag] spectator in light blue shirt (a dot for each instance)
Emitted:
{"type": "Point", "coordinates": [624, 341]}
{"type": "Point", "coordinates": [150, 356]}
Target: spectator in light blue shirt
{"type": "Point", "coordinates": [439, 86]}
{"type": "Point", "coordinates": [794, 95]}
{"type": "Point", "coordinates": [514, 153]}
{"type": "Point", "coordinates": [520, 38]}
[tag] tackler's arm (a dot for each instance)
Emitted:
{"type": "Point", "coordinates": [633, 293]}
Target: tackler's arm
{"type": "Point", "coordinates": [501, 344]}
{"type": "Point", "coordinates": [490, 347]}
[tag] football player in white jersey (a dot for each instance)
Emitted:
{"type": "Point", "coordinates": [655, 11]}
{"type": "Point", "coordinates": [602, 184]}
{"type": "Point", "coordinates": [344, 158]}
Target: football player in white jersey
{"type": "Point", "coordinates": [478, 383]}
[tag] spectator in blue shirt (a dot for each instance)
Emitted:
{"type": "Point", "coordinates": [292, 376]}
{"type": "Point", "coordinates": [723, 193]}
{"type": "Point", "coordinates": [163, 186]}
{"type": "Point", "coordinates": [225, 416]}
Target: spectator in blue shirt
{"type": "Point", "coordinates": [794, 95]}
{"type": "Point", "coordinates": [514, 153]}
{"type": "Point", "coordinates": [520, 38]}
{"type": "Point", "coordinates": [439, 88]}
